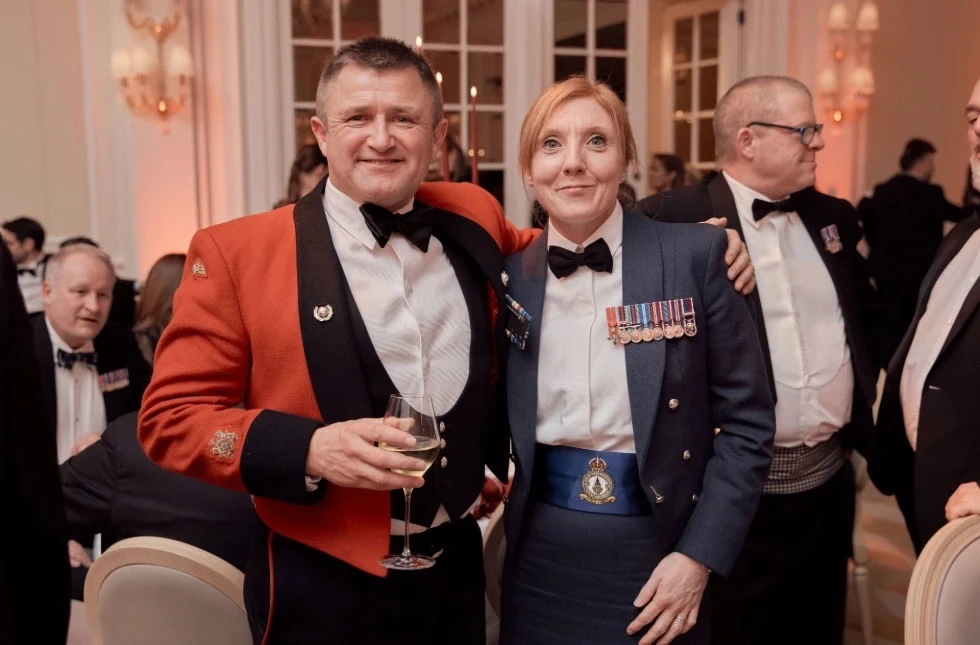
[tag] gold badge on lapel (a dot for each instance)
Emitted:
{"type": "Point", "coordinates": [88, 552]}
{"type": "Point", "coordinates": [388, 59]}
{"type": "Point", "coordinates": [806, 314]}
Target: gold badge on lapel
{"type": "Point", "coordinates": [323, 313]}
{"type": "Point", "coordinates": [597, 485]}
{"type": "Point", "coordinates": [198, 270]}
{"type": "Point", "coordinates": [831, 239]}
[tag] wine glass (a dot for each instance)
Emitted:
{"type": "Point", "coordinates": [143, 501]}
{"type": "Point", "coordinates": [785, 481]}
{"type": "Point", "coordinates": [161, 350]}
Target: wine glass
{"type": "Point", "coordinates": [417, 407]}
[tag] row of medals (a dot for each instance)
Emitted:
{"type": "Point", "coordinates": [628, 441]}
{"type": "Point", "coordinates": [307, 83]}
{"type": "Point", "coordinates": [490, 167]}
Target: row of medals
{"type": "Point", "coordinates": [623, 332]}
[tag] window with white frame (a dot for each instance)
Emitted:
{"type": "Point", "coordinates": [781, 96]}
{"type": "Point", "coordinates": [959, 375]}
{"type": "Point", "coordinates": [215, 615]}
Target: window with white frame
{"type": "Point", "coordinates": [590, 38]}
{"type": "Point", "coordinates": [319, 28]}
{"type": "Point", "coordinates": [691, 56]}
{"type": "Point", "coordinates": [464, 42]}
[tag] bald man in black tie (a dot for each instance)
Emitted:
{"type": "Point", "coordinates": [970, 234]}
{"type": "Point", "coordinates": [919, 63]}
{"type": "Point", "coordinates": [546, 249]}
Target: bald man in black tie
{"type": "Point", "coordinates": [811, 310]}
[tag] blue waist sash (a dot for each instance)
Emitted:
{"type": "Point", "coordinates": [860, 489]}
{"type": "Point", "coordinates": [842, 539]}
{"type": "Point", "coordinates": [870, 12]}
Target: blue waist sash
{"type": "Point", "coordinates": [559, 473]}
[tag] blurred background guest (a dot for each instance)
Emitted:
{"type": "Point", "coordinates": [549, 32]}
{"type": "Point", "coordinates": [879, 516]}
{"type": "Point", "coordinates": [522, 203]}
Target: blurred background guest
{"type": "Point", "coordinates": [156, 305]}
{"type": "Point", "coordinates": [24, 238]}
{"type": "Point", "coordinates": [309, 167]}
{"type": "Point", "coordinates": [666, 172]}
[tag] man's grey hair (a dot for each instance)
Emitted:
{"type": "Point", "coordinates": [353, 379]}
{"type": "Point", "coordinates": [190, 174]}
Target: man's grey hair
{"type": "Point", "coordinates": [52, 269]}
{"type": "Point", "coordinates": [380, 55]}
{"type": "Point", "coordinates": [751, 99]}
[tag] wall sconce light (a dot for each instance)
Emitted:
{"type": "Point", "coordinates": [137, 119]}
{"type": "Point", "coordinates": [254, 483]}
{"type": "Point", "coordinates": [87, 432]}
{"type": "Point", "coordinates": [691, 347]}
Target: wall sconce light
{"type": "Point", "coordinates": [144, 76]}
{"type": "Point", "coordinates": [849, 92]}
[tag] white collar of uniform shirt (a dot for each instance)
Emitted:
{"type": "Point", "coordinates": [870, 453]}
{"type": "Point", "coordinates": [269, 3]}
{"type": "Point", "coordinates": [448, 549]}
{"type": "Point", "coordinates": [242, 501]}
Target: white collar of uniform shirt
{"type": "Point", "coordinates": [347, 214]}
{"type": "Point", "coordinates": [744, 196]}
{"type": "Point", "coordinates": [611, 231]}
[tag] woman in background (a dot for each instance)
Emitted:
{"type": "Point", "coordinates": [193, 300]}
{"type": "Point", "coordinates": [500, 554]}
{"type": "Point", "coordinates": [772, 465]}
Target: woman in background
{"type": "Point", "coordinates": [667, 172]}
{"type": "Point", "coordinates": [156, 306]}
{"type": "Point", "coordinates": [309, 167]}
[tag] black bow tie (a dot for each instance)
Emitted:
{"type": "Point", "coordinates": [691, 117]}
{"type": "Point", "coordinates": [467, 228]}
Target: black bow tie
{"type": "Point", "coordinates": [596, 256]}
{"type": "Point", "coordinates": [761, 208]}
{"type": "Point", "coordinates": [67, 360]}
{"type": "Point", "coordinates": [416, 224]}
{"type": "Point", "coordinates": [27, 271]}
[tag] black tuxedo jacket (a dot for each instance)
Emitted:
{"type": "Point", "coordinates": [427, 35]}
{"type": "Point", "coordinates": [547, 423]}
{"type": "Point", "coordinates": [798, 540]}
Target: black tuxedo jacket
{"type": "Point", "coordinates": [114, 489]}
{"type": "Point", "coordinates": [847, 269]}
{"type": "Point", "coordinates": [34, 565]}
{"type": "Point", "coordinates": [117, 349]}
{"type": "Point", "coordinates": [948, 444]}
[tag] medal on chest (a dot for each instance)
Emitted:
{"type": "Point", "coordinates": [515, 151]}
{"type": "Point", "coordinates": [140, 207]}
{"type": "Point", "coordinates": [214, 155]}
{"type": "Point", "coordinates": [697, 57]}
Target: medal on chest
{"type": "Point", "coordinates": [597, 484]}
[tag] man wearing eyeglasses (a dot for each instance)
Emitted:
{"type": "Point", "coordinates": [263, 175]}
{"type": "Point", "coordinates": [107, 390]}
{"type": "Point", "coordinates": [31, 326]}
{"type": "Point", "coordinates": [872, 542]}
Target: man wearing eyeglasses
{"type": "Point", "coordinates": [810, 308]}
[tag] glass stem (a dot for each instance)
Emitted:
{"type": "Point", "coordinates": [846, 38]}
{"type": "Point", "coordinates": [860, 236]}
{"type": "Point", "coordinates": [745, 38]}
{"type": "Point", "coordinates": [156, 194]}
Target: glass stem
{"type": "Point", "coordinates": [406, 552]}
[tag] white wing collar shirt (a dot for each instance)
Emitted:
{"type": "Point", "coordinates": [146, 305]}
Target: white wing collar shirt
{"type": "Point", "coordinates": [583, 398]}
{"type": "Point", "coordinates": [811, 361]}
{"type": "Point", "coordinates": [81, 408]}
{"type": "Point", "coordinates": [412, 305]}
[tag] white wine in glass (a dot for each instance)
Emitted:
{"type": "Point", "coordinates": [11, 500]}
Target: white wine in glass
{"type": "Point", "coordinates": [419, 409]}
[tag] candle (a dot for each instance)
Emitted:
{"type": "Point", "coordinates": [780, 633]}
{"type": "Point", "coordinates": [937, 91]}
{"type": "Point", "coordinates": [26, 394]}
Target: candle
{"type": "Point", "coordinates": [474, 169]}
{"type": "Point", "coordinates": [418, 44]}
{"type": "Point", "coordinates": [445, 142]}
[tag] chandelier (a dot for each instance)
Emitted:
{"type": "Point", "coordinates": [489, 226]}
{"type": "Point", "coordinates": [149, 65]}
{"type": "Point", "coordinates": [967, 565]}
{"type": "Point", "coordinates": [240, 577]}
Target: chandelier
{"type": "Point", "coordinates": [150, 81]}
{"type": "Point", "coordinates": [849, 91]}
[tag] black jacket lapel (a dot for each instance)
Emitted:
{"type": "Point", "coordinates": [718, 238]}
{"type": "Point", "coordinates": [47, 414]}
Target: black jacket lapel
{"type": "Point", "coordinates": [44, 352]}
{"type": "Point", "coordinates": [972, 298]}
{"type": "Point", "coordinates": [723, 205]}
{"type": "Point", "coordinates": [331, 353]}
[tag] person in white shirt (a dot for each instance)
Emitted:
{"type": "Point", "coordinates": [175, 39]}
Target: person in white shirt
{"type": "Point", "coordinates": [24, 238]}
{"type": "Point", "coordinates": [928, 429]}
{"type": "Point", "coordinates": [91, 372]}
{"type": "Point", "coordinates": [812, 309]}
{"type": "Point", "coordinates": [639, 462]}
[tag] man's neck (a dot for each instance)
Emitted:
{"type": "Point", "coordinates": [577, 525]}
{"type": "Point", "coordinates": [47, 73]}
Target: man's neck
{"type": "Point", "coordinates": [32, 258]}
{"type": "Point", "coordinates": [747, 178]}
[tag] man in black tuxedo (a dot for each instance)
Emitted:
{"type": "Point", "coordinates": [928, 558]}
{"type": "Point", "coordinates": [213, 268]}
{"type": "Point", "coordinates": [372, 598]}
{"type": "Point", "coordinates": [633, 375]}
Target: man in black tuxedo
{"type": "Point", "coordinates": [114, 489]}
{"type": "Point", "coordinates": [34, 566]}
{"type": "Point", "coordinates": [904, 222]}
{"type": "Point", "coordinates": [92, 371]}
{"type": "Point", "coordinates": [927, 432]}
{"type": "Point", "coordinates": [809, 307]}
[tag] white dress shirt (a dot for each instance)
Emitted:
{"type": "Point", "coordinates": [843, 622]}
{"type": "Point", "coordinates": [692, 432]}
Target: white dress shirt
{"type": "Point", "coordinates": [30, 285]}
{"type": "Point", "coordinates": [412, 305]}
{"type": "Point", "coordinates": [81, 408]}
{"type": "Point", "coordinates": [583, 398]}
{"type": "Point", "coordinates": [811, 361]}
{"type": "Point", "coordinates": [945, 302]}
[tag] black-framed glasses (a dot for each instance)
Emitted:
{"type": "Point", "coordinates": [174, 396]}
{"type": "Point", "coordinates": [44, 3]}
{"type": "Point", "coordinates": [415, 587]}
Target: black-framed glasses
{"type": "Point", "coordinates": [806, 133]}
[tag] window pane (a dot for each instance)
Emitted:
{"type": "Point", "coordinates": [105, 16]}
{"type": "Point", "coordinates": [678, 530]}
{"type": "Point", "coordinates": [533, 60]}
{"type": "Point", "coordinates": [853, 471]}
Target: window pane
{"type": "Point", "coordinates": [610, 24]}
{"type": "Point", "coordinates": [490, 136]}
{"type": "Point", "coordinates": [709, 35]}
{"type": "Point", "coordinates": [682, 139]}
{"type": "Point", "coordinates": [708, 90]}
{"type": "Point", "coordinates": [440, 21]}
{"type": "Point", "coordinates": [570, 23]}
{"type": "Point", "coordinates": [304, 134]}
{"type": "Point", "coordinates": [706, 141]}
{"type": "Point", "coordinates": [307, 64]}
{"type": "Point", "coordinates": [359, 19]}
{"type": "Point", "coordinates": [565, 66]}
{"type": "Point", "coordinates": [683, 40]}
{"type": "Point", "coordinates": [486, 22]}
{"type": "Point", "coordinates": [312, 19]}
{"type": "Point", "coordinates": [447, 64]}
{"type": "Point", "coordinates": [612, 71]}
{"type": "Point", "coordinates": [486, 71]}
{"type": "Point", "coordinates": [682, 90]}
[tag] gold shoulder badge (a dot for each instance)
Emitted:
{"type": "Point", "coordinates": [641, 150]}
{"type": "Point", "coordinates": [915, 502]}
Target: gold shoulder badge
{"type": "Point", "coordinates": [597, 485]}
{"type": "Point", "coordinates": [198, 270]}
{"type": "Point", "coordinates": [222, 445]}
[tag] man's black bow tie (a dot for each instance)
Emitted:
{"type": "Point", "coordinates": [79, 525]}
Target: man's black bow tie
{"type": "Point", "coordinates": [596, 256]}
{"type": "Point", "coordinates": [416, 224]}
{"type": "Point", "coordinates": [27, 271]}
{"type": "Point", "coordinates": [761, 208]}
{"type": "Point", "coordinates": [68, 359]}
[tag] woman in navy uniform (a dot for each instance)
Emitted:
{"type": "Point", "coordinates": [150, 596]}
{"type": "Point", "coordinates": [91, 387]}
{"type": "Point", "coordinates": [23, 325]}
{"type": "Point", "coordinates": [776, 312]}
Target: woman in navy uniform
{"type": "Point", "coordinates": [641, 415]}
